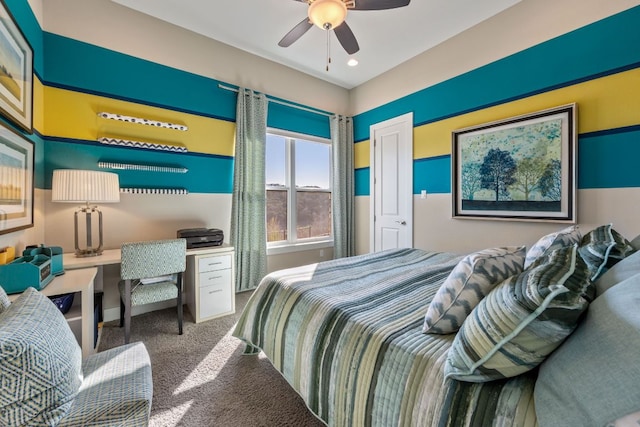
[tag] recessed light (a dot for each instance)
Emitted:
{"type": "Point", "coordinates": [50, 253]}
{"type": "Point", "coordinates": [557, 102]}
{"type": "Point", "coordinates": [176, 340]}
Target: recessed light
{"type": "Point", "coordinates": [352, 62]}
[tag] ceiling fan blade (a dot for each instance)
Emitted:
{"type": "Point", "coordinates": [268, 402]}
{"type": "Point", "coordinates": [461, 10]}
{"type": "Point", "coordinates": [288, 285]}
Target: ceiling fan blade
{"type": "Point", "coordinates": [346, 38]}
{"type": "Point", "coordinates": [379, 4]}
{"type": "Point", "coordinates": [297, 32]}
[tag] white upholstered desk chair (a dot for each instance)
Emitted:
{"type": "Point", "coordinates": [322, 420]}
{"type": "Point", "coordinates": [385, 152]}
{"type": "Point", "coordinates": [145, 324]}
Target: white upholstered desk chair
{"type": "Point", "coordinates": [153, 260]}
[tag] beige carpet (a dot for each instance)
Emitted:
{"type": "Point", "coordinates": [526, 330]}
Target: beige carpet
{"type": "Point", "coordinates": [201, 378]}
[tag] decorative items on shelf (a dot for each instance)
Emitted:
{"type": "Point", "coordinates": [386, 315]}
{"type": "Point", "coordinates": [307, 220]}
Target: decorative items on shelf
{"type": "Point", "coordinates": [140, 121]}
{"type": "Point", "coordinates": [140, 167]}
{"type": "Point", "coordinates": [154, 190]}
{"type": "Point", "coordinates": [142, 144]}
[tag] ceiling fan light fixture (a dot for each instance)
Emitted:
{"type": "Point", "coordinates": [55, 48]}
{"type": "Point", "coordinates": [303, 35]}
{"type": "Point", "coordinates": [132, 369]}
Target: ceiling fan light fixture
{"type": "Point", "coordinates": [327, 14]}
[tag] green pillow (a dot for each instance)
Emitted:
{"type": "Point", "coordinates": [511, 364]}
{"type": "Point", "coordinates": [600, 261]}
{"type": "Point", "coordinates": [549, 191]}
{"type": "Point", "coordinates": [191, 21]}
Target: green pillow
{"type": "Point", "coordinates": [5, 302]}
{"type": "Point", "coordinates": [522, 320]}
{"type": "Point", "coordinates": [602, 247]}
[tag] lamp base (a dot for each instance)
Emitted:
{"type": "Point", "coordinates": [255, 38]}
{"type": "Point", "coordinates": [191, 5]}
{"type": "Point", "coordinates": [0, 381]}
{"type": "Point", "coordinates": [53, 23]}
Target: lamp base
{"type": "Point", "coordinates": [82, 253]}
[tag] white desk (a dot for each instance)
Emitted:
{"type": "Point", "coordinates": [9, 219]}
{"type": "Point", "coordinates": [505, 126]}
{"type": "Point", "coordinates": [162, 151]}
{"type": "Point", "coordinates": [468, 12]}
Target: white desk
{"type": "Point", "coordinates": [71, 282]}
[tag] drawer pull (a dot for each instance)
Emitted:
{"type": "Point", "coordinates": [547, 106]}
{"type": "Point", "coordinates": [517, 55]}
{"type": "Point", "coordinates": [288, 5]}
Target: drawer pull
{"type": "Point", "coordinates": [214, 263]}
{"type": "Point", "coordinates": [214, 277]}
{"type": "Point", "coordinates": [213, 292]}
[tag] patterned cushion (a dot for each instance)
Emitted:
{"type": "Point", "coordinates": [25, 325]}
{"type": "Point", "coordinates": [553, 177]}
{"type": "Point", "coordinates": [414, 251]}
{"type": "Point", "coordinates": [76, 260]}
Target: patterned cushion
{"type": "Point", "coordinates": [522, 320]}
{"type": "Point", "coordinates": [472, 278]}
{"type": "Point", "coordinates": [603, 246]}
{"type": "Point", "coordinates": [40, 362]}
{"type": "Point", "coordinates": [140, 259]}
{"type": "Point", "coordinates": [5, 302]}
{"type": "Point", "coordinates": [594, 377]}
{"type": "Point", "coordinates": [117, 390]}
{"type": "Point", "coordinates": [547, 244]}
{"type": "Point", "coordinates": [630, 266]}
{"type": "Point", "coordinates": [150, 293]}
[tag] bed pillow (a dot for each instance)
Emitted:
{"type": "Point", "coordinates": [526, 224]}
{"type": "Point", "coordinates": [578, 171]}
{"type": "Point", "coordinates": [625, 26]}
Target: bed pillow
{"type": "Point", "coordinates": [594, 377]}
{"type": "Point", "coordinates": [630, 266]}
{"type": "Point", "coordinates": [522, 320]}
{"type": "Point", "coordinates": [5, 302]}
{"type": "Point", "coordinates": [602, 247]}
{"type": "Point", "coordinates": [548, 243]}
{"type": "Point", "coordinates": [471, 279]}
{"type": "Point", "coordinates": [40, 361]}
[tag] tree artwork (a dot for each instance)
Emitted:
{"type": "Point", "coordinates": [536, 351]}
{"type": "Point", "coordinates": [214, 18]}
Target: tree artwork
{"type": "Point", "coordinates": [496, 172]}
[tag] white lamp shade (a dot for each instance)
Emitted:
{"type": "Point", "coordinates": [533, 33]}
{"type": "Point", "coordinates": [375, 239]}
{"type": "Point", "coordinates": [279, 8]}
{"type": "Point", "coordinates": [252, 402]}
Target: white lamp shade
{"type": "Point", "coordinates": [84, 186]}
{"type": "Point", "coordinates": [329, 13]}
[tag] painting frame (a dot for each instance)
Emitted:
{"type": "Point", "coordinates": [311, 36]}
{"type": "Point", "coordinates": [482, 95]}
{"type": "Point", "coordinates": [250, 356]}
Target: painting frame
{"type": "Point", "coordinates": [16, 73]}
{"type": "Point", "coordinates": [522, 168]}
{"type": "Point", "coordinates": [16, 183]}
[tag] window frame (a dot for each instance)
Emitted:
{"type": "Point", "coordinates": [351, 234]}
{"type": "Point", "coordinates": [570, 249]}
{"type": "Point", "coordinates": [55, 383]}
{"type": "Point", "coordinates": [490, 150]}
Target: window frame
{"type": "Point", "coordinates": [297, 244]}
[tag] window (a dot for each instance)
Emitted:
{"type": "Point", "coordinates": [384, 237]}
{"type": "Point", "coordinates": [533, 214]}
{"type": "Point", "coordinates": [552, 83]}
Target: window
{"type": "Point", "coordinates": [298, 180]}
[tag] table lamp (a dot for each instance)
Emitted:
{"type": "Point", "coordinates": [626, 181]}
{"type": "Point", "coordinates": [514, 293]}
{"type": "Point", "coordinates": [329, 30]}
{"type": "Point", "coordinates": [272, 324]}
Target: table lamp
{"type": "Point", "coordinates": [88, 187]}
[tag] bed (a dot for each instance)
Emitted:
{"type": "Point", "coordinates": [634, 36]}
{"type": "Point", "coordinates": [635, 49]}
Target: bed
{"type": "Point", "coordinates": [348, 336]}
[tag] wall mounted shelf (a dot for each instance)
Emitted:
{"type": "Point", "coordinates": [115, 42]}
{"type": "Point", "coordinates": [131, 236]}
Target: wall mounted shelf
{"type": "Point", "coordinates": [140, 190]}
{"type": "Point", "coordinates": [141, 121]}
{"type": "Point", "coordinates": [143, 168]}
{"type": "Point", "coordinates": [142, 144]}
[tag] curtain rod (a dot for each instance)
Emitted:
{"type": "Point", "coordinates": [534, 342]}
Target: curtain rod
{"type": "Point", "coordinates": [277, 101]}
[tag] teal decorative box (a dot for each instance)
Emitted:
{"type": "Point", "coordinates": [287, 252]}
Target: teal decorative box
{"type": "Point", "coordinates": [24, 272]}
{"type": "Point", "coordinates": [53, 252]}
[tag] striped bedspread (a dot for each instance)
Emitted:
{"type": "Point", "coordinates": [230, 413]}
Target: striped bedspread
{"type": "Point", "coordinates": [347, 335]}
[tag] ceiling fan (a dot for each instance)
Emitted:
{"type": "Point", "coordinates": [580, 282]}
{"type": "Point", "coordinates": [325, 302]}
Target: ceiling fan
{"type": "Point", "coordinates": [330, 15]}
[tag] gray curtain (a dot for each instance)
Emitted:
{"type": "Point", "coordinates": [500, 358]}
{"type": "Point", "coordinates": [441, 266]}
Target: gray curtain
{"type": "Point", "coordinates": [343, 187]}
{"type": "Point", "coordinates": [248, 228]}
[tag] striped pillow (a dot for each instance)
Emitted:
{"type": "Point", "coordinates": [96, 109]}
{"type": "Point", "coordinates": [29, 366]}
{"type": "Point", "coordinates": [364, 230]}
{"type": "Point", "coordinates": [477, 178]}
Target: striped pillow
{"type": "Point", "coordinates": [547, 244]}
{"type": "Point", "coordinates": [522, 320]}
{"type": "Point", "coordinates": [472, 278]}
{"type": "Point", "coordinates": [602, 247]}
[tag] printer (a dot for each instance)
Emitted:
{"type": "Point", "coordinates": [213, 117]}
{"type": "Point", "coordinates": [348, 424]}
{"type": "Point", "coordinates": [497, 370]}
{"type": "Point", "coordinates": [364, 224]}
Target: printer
{"type": "Point", "coordinates": [201, 237]}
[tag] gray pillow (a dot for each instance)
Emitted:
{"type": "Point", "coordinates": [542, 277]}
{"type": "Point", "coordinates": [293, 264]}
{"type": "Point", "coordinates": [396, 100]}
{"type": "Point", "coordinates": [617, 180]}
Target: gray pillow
{"type": "Point", "coordinates": [594, 377]}
{"type": "Point", "coordinates": [630, 266]}
{"type": "Point", "coordinates": [522, 320]}
{"type": "Point", "coordinates": [552, 241]}
{"type": "Point", "coordinates": [40, 362]}
{"type": "Point", "coordinates": [602, 247]}
{"type": "Point", "coordinates": [471, 279]}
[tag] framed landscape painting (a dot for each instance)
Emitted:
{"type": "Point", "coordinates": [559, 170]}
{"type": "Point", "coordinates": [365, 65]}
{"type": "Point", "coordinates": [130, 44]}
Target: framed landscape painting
{"type": "Point", "coordinates": [16, 72]}
{"type": "Point", "coordinates": [16, 181]}
{"type": "Point", "coordinates": [522, 168]}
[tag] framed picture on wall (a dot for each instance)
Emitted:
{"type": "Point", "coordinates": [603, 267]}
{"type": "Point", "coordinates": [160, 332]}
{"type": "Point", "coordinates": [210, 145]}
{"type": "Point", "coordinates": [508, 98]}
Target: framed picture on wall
{"type": "Point", "coordinates": [522, 168]}
{"type": "Point", "coordinates": [16, 72]}
{"type": "Point", "coordinates": [16, 181]}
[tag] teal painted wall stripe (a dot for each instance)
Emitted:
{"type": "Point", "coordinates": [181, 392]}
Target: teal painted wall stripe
{"type": "Point", "coordinates": [605, 160]}
{"type": "Point", "coordinates": [73, 64]}
{"type": "Point", "coordinates": [609, 160]}
{"type": "Point", "coordinates": [207, 173]}
{"type": "Point", "coordinates": [361, 181]}
{"type": "Point", "coordinates": [604, 47]}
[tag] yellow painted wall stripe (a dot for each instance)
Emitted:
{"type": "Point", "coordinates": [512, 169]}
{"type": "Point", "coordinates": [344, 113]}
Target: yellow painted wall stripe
{"type": "Point", "coordinates": [74, 115]}
{"type": "Point", "coordinates": [605, 103]}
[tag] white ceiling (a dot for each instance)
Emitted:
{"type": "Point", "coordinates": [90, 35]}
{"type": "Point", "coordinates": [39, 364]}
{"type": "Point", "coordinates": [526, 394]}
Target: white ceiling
{"type": "Point", "coordinates": [386, 38]}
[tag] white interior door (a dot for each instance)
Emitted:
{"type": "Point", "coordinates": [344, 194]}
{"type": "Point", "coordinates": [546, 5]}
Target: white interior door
{"type": "Point", "coordinates": [391, 183]}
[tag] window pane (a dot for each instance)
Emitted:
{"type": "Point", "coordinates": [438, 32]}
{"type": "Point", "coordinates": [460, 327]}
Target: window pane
{"type": "Point", "coordinates": [276, 215]}
{"type": "Point", "coordinates": [275, 157]}
{"type": "Point", "coordinates": [313, 164]}
{"type": "Point", "coordinates": [313, 214]}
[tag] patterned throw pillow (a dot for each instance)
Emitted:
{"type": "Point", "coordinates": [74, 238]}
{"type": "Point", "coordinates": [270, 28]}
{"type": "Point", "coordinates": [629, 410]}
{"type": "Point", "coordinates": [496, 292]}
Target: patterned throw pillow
{"type": "Point", "coordinates": [471, 279]}
{"type": "Point", "coordinates": [40, 362]}
{"type": "Point", "coordinates": [5, 302]}
{"type": "Point", "coordinates": [552, 241]}
{"type": "Point", "coordinates": [602, 247]}
{"type": "Point", "coordinates": [522, 320]}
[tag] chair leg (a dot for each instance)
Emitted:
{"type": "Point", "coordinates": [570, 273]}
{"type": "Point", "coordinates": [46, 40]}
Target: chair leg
{"type": "Point", "coordinates": [179, 303]}
{"type": "Point", "coordinates": [127, 310]}
{"type": "Point", "coordinates": [121, 312]}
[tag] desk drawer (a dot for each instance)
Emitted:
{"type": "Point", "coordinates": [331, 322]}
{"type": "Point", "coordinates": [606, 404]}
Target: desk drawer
{"type": "Point", "coordinates": [211, 263]}
{"type": "Point", "coordinates": [215, 278]}
{"type": "Point", "coordinates": [215, 300]}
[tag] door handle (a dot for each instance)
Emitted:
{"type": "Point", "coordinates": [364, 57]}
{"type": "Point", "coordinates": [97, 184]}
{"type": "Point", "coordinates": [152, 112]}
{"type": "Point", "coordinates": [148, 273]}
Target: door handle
{"type": "Point", "coordinates": [402, 222]}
